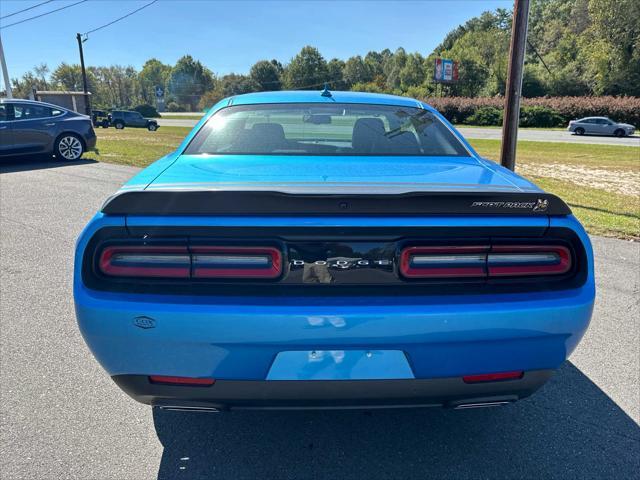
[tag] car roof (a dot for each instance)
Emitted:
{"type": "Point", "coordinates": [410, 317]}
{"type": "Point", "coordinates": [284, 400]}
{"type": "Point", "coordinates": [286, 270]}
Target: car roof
{"type": "Point", "coordinates": [33, 102]}
{"type": "Point", "coordinates": [314, 96]}
{"type": "Point", "coordinates": [595, 118]}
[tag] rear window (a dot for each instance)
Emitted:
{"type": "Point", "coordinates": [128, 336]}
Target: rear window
{"type": "Point", "coordinates": [335, 129]}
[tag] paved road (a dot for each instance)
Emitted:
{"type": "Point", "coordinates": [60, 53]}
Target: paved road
{"type": "Point", "coordinates": [489, 133]}
{"type": "Point", "coordinates": [62, 417]}
{"type": "Point", "coordinates": [550, 136]}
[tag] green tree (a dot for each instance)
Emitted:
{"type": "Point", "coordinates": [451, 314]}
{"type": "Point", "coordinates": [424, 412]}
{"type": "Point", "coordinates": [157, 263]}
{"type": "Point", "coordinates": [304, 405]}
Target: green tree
{"type": "Point", "coordinates": [154, 73]}
{"type": "Point", "coordinates": [335, 74]}
{"type": "Point", "coordinates": [228, 86]}
{"type": "Point", "coordinates": [356, 70]}
{"type": "Point", "coordinates": [188, 81]}
{"type": "Point", "coordinates": [266, 75]}
{"type": "Point", "coordinates": [307, 70]}
{"type": "Point", "coordinates": [69, 77]}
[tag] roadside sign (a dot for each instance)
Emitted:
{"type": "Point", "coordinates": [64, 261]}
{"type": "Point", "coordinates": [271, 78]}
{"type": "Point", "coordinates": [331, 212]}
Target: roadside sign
{"type": "Point", "coordinates": [159, 91]}
{"type": "Point", "coordinates": [445, 70]}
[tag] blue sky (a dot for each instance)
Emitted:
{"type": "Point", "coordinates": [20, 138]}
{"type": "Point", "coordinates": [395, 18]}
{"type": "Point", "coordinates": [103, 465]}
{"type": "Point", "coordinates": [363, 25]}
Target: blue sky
{"type": "Point", "coordinates": [226, 36]}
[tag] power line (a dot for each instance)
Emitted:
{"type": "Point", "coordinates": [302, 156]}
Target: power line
{"type": "Point", "coordinates": [121, 18]}
{"type": "Point", "coordinates": [42, 14]}
{"type": "Point", "coordinates": [25, 9]}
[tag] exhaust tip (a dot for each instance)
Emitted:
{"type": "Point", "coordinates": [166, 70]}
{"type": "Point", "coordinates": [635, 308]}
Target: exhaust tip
{"type": "Point", "coordinates": [188, 408]}
{"type": "Point", "coordinates": [465, 406]}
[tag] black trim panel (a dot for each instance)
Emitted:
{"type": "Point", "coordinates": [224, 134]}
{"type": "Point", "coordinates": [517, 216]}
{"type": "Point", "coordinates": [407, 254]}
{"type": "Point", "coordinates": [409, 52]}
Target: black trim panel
{"type": "Point", "coordinates": [230, 290]}
{"type": "Point", "coordinates": [180, 202]}
{"type": "Point", "coordinates": [318, 394]}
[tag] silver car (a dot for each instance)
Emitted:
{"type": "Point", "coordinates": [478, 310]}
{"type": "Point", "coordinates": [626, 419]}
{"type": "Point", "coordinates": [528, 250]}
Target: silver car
{"type": "Point", "coordinates": [600, 126]}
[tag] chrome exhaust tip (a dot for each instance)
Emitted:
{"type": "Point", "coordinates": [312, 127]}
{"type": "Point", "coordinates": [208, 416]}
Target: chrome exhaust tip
{"type": "Point", "coordinates": [188, 408]}
{"type": "Point", "coordinates": [464, 406]}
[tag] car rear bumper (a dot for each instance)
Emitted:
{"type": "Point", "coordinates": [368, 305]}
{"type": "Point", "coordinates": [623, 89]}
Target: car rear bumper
{"type": "Point", "coordinates": [239, 394]}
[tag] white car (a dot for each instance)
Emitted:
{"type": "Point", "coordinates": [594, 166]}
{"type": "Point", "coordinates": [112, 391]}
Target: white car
{"type": "Point", "coordinates": [600, 126]}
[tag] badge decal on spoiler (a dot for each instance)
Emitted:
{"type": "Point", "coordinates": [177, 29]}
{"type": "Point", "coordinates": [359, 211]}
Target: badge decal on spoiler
{"type": "Point", "coordinates": [538, 206]}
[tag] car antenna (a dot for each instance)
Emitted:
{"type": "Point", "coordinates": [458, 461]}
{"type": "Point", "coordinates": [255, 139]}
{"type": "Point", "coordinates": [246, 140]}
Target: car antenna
{"type": "Point", "coordinates": [326, 92]}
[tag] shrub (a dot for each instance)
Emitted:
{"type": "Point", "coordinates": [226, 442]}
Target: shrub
{"type": "Point", "coordinates": [485, 116]}
{"type": "Point", "coordinates": [538, 116]}
{"type": "Point", "coordinates": [173, 107]}
{"type": "Point", "coordinates": [621, 109]}
{"type": "Point", "coordinates": [147, 110]}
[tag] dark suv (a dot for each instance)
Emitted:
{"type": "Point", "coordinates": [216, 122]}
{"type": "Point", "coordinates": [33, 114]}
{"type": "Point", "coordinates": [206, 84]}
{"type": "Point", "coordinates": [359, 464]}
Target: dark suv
{"type": "Point", "coordinates": [125, 118]}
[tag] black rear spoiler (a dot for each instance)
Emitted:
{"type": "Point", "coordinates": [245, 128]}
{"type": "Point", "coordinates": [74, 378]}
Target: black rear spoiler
{"type": "Point", "coordinates": [216, 202]}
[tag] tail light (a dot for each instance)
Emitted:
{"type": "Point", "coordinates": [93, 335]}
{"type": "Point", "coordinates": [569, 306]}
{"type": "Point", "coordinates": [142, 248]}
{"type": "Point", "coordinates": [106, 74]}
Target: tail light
{"type": "Point", "coordinates": [143, 261]}
{"type": "Point", "coordinates": [236, 262]}
{"type": "Point", "coordinates": [444, 262]}
{"type": "Point", "coordinates": [518, 260]}
{"type": "Point", "coordinates": [484, 261]}
{"type": "Point", "coordinates": [195, 262]}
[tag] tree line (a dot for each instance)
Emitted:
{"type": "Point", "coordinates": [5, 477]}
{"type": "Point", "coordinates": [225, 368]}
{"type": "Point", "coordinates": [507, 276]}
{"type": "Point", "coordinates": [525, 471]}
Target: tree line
{"type": "Point", "coordinates": [575, 47]}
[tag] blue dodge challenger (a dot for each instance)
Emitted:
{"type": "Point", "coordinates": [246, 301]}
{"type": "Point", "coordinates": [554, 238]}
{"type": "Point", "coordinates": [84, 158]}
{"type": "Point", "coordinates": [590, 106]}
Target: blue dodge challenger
{"type": "Point", "coordinates": [330, 249]}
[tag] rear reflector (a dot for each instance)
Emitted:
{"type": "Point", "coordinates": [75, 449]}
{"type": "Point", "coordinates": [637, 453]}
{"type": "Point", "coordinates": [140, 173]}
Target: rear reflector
{"type": "Point", "coordinates": [236, 262]}
{"type": "Point", "coordinates": [493, 377]}
{"type": "Point", "coordinates": [484, 261]}
{"type": "Point", "coordinates": [203, 382]}
{"type": "Point", "coordinates": [195, 262]}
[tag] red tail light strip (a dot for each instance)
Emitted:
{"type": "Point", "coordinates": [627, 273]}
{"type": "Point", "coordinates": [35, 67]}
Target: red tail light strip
{"type": "Point", "coordinates": [197, 262]}
{"type": "Point", "coordinates": [444, 261]}
{"type": "Point", "coordinates": [143, 261]}
{"type": "Point", "coordinates": [512, 260]}
{"type": "Point", "coordinates": [236, 262]}
{"type": "Point", "coordinates": [484, 261]}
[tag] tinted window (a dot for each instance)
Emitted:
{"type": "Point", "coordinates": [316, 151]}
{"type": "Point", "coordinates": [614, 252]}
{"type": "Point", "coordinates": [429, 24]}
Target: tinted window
{"type": "Point", "coordinates": [31, 112]}
{"type": "Point", "coordinates": [3, 113]}
{"type": "Point", "coordinates": [335, 129]}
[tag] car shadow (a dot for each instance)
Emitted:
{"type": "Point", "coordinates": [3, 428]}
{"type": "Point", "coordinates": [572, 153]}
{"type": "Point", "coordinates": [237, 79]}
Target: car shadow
{"type": "Point", "coordinates": [569, 429]}
{"type": "Point", "coordinates": [23, 164]}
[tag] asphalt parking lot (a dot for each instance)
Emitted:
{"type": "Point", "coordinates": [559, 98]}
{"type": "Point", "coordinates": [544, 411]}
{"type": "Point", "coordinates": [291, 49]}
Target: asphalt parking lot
{"type": "Point", "coordinates": [62, 417]}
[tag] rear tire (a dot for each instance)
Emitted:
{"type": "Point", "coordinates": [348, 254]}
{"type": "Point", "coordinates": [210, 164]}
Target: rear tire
{"type": "Point", "coordinates": [619, 133]}
{"type": "Point", "coordinates": [579, 131]}
{"type": "Point", "coordinates": [69, 147]}
{"type": "Point", "coordinates": [119, 125]}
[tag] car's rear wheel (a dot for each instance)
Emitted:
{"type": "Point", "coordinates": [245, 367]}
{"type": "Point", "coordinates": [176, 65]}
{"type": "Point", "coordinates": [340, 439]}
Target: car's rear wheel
{"type": "Point", "coordinates": [105, 124]}
{"type": "Point", "coordinates": [579, 131]}
{"type": "Point", "coordinates": [69, 147]}
{"type": "Point", "coordinates": [119, 125]}
{"type": "Point", "coordinates": [619, 133]}
{"type": "Point", "coordinates": [152, 127]}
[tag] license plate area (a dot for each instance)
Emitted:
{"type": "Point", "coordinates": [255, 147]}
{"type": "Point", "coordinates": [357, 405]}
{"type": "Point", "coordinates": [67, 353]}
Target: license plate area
{"type": "Point", "coordinates": [340, 365]}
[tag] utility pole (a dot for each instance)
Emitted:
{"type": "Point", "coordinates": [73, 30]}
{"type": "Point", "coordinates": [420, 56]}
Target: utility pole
{"type": "Point", "coordinates": [5, 73]}
{"type": "Point", "coordinates": [85, 89]}
{"type": "Point", "coordinates": [514, 84]}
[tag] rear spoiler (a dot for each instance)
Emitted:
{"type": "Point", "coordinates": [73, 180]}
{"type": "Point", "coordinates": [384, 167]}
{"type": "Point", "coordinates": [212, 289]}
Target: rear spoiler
{"type": "Point", "coordinates": [217, 202]}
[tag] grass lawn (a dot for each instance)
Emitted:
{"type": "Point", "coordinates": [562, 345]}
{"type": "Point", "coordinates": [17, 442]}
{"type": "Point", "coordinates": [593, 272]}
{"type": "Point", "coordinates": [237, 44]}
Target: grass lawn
{"type": "Point", "coordinates": [600, 182]}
